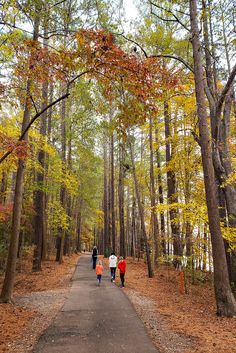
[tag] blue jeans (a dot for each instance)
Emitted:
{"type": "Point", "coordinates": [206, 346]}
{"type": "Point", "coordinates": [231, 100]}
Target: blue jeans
{"type": "Point", "coordinates": [113, 273]}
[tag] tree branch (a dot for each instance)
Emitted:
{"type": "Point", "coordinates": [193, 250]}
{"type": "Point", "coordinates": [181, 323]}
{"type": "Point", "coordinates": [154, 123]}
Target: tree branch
{"type": "Point", "coordinates": [226, 89]}
{"type": "Point", "coordinates": [57, 3]}
{"type": "Point", "coordinates": [42, 111]}
{"type": "Point", "coordinates": [78, 76]}
{"type": "Point", "coordinates": [136, 43]}
{"type": "Point", "coordinates": [32, 121]}
{"type": "Point", "coordinates": [175, 58]}
{"type": "Point", "coordinates": [196, 137]}
{"type": "Point", "coordinates": [35, 107]}
{"type": "Point", "coordinates": [159, 55]}
{"type": "Point", "coordinates": [176, 19]}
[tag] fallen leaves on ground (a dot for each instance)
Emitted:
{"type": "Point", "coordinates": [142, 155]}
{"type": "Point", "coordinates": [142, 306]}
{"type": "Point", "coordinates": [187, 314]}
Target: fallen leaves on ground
{"type": "Point", "coordinates": [192, 314]}
{"type": "Point", "coordinates": [15, 319]}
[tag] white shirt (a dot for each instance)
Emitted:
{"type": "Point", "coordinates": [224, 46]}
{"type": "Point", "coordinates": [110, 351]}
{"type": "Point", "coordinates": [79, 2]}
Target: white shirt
{"type": "Point", "coordinates": [112, 261]}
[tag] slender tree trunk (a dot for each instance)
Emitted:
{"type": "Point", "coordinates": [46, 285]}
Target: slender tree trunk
{"type": "Point", "coordinates": [49, 125]}
{"type": "Point", "coordinates": [204, 267]}
{"type": "Point", "coordinates": [161, 195]}
{"type": "Point", "coordinates": [133, 229]}
{"type": "Point", "coordinates": [225, 301]}
{"type": "Point", "coordinates": [79, 221]}
{"type": "Point", "coordinates": [229, 189]}
{"type": "Point", "coordinates": [188, 227]}
{"type": "Point", "coordinates": [39, 195]}
{"type": "Point", "coordinates": [105, 203]}
{"type": "Point", "coordinates": [3, 188]}
{"type": "Point", "coordinates": [63, 198]}
{"type": "Point", "coordinates": [171, 188]}
{"type": "Point", "coordinates": [141, 214]}
{"type": "Point", "coordinates": [153, 193]}
{"type": "Point", "coordinates": [128, 228]}
{"type": "Point", "coordinates": [121, 201]}
{"type": "Point", "coordinates": [113, 220]}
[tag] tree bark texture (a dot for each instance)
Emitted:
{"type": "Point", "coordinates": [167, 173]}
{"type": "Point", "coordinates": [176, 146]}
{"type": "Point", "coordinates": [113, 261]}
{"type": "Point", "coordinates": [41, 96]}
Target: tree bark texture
{"type": "Point", "coordinates": [121, 200]}
{"type": "Point", "coordinates": [225, 301]}
{"type": "Point", "coordinates": [153, 194]}
{"type": "Point", "coordinates": [141, 213]}
{"type": "Point", "coordinates": [7, 289]}
{"type": "Point", "coordinates": [171, 188]}
{"type": "Point", "coordinates": [106, 228]}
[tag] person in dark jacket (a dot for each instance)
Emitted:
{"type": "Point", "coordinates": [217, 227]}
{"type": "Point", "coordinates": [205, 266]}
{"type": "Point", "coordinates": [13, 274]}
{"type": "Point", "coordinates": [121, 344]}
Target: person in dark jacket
{"type": "Point", "coordinates": [94, 256]}
{"type": "Point", "coordinates": [122, 268]}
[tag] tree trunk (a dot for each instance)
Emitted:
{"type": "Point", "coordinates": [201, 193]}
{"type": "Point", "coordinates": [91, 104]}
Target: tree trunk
{"type": "Point", "coordinates": [79, 219]}
{"type": "Point", "coordinates": [133, 229]}
{"type": "Point", "coordinates": [121, 201]}
{"type": "Point", "coordinates": [153, 194]}
{"type": "Point", "coordinates": [39, 195]}
{"type": "Point", "coordinates": [171, 188]}
{"type": "Point", "coordinates": [113, 220]}
{"type": "Point", "coordinates": [220, 135]}
{"type": "Point", "coordinates": [141, 214]}
{"type": "Point", "coordinates": [7, 289]}
{"type": "Point", "coordinates": [105, 203]}
{"type": "Point", "coordinates": [3, 188]}
{"type": "Point", "coordinates": [225, 301]}
{"type": "Point", "coordinates": [61, 232]}
{"type": "Point", "coordinates": [161, 195]}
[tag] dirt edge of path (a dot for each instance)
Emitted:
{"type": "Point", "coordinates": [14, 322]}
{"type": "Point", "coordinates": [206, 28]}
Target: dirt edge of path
{"type": "Point", "coordinates": [166, 340]}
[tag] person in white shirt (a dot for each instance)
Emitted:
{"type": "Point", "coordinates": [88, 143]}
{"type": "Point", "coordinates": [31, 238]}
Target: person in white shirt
{"type": "Point", "coordinates": [112, 265]}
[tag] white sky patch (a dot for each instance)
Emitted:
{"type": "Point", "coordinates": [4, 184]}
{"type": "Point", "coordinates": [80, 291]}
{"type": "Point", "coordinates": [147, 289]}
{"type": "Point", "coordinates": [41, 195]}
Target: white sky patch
{"type": "Point", "coordinates": [131, 14]}
{"type": "Point", "coordinates": [131, 11]}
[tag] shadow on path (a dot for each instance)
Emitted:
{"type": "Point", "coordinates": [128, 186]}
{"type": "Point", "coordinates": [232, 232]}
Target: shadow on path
{"type": "Point", "coordinates": [95, 319]}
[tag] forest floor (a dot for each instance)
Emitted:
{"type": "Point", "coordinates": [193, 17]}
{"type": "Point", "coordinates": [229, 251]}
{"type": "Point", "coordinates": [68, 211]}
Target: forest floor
{"type": "Point", "coordinates": [38, 296]}
{"type": "Point", "coordinates": [176, 323]}
{"type": "Point", "coordinates": [179, 323]}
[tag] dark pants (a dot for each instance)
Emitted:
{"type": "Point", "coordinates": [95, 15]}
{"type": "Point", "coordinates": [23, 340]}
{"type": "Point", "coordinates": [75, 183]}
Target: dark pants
{"type": "Point", "coordinates": [99, 277]}
{"type": "Point", "coordinates": [122, 278]}
{"type": "Point", "coordinates": [113, 273]}
{"type": "Point", "coordinates": [94, 261]}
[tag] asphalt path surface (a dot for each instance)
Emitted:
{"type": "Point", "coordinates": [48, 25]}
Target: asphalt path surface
{"type": "Point", "coordinates": [95, 319]}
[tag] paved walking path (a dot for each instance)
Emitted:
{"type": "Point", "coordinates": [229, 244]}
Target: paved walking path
{"type": "Point", "coordinates": [95, 319]}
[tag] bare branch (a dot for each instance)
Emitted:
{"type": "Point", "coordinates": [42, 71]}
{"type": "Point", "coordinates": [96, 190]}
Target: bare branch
{"type": "Point", "coordinates": [16, 27]}
{"type": "Point", "coordinates": [196, 137]}
{"type": "Point", "coordinates": [176, 19]}
{"type": "Point", "coordinates": [34, 104]}
{"type": "Point", "coordinates": [159, 55]}
{"type": "Point", "coordinates": [57, 3]}
{"type": "Point", "coordinates": [226, 88]}
{"type": "Point", "coordinates": [76, 77]}
{"type": "Point", "coordinates": [136, 43]}
{"type": "Point", "coordinates": [175, 58]}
